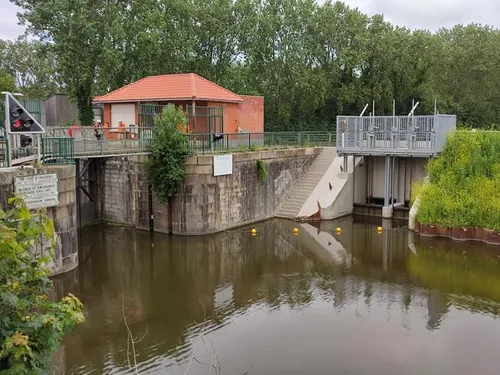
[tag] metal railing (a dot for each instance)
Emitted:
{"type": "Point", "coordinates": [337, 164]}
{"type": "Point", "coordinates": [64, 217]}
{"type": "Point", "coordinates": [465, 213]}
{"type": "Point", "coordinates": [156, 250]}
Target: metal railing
{"type": "Point", "coordinates": [58, 150]}
{"type": "Point", "coordinates": [90, 141]}
{"type": "Point", "coordinates": [419, 135]}
{"type": "Point", "coordinates": [63, 145]}
{"type": "Point", "coordinates": [110, 141]}
{"type": "Point", "coordinates": [214, 143]}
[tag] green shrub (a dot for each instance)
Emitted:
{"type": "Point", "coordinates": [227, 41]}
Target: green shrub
{"type": "Point", "coordinates": [31, 325]}
{"type": "Point", "coordinates": [262, 168]}
{"type": "Point", "coordinates": [464, 188]}
{"type": "Point", "coordinates": [168, 149]}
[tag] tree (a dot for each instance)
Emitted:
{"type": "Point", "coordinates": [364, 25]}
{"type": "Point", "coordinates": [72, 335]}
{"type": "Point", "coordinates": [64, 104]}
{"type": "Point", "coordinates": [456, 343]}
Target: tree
{"type": "Point", "coordinates": [77, 31]}
{"type": "Point", "coordinates": [7, 82]}
{"type": "Point", "coordinates": [33, 66]}
{"type": "Point", "coordinates": [168, 152]}
{"type": "Point", "coordinates": [31, 325]}
{"type": "Point", "coordinates": [310, 60]}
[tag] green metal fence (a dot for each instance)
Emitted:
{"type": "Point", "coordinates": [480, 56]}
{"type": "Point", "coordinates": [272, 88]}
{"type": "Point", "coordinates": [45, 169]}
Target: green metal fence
{"type": "Point", "coordinates": [227, 142]}
{"type": "Point", "coordinates": [58, 150]}
{"type": "Point", "coordinates": [4, 153]}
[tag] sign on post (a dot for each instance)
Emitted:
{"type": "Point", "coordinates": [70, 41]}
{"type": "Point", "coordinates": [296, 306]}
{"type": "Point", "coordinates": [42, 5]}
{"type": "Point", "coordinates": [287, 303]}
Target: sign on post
{"type": "Point", "coordinates": [223, 165]}
{"type": "Point", "coordinates": [38, 190]}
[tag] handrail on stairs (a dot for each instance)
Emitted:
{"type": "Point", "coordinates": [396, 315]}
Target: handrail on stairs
{"type": "Point", "coordinates": [295, 176]}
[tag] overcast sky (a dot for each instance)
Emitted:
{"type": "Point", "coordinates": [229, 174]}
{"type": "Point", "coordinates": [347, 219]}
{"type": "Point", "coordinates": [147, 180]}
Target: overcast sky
{"type": "Point", "coordinates": [426, 14]}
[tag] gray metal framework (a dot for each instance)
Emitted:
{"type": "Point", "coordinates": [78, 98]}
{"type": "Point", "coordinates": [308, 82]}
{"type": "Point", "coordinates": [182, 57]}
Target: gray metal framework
{"type": "Point", "coordinates": [393, 135]}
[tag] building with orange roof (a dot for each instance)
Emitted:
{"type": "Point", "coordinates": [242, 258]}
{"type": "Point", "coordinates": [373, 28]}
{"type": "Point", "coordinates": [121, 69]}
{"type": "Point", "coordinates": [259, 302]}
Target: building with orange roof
{"type": "Point", "coordinates": [209, 107]}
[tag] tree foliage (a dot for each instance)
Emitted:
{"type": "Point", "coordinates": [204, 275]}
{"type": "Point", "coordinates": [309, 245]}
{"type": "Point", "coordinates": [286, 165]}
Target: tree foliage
{"type": "Point", "coordinates": [7, 82]}
{"type": "Point", "coordinates": [31, 325]}
{"type": "Point", "coordinates": [33, 66]}
{"type": "Point", "coordinates": [311, 60]}
{"type": "Point", "coordinates": [464, 183]}
{"type": "Point", "coordinates": [168, 152]}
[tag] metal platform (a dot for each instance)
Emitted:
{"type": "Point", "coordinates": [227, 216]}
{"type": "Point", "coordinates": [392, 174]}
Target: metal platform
{"type": "Point", "coordinates": [417, 136]}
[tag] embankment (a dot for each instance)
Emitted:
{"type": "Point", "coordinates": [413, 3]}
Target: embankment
{"type": "Point", "coordinates": [462, 198]}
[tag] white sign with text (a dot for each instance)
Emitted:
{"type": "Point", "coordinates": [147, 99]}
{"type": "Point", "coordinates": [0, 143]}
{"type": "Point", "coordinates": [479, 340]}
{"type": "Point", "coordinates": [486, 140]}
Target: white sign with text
{"type": "Point", "coordinates": [38, 190]}
{"type": "Point", "coordinates": [223, 165]}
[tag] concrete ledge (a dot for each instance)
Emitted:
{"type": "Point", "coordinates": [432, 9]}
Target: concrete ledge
{"type": "Point", "coordinates": [205, 160]}
{"type": "Point", "coordinates": [246, 156]}
{"type": "Point", "coordinates": [199, 169]}
{"type": "Point", "coordinates": [192, 160]}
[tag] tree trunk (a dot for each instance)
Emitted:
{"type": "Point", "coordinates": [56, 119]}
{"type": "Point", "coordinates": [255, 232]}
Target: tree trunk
{"type": "Point", "coordinates": [84, 103]}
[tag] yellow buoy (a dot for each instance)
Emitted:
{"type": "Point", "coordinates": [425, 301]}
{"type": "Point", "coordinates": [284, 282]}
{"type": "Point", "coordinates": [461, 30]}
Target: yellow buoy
{"type": "Point", "coordinates": [338, 229]}
{"type": "Point", "coordinates": [254, 234]}
{"type": "Point", "coordinates": [254, 231]}
{"type": "Point", "coordinates": [380, 229]}
{"type": "Point", "coordinates": [295, 230]}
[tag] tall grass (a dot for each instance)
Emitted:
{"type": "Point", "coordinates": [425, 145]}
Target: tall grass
{"type": "Point", "coordinates": [464, 183]}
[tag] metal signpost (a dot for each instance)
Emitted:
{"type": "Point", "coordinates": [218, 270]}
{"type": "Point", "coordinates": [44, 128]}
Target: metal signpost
{"type": "Point", "coordinates": [19, 121]}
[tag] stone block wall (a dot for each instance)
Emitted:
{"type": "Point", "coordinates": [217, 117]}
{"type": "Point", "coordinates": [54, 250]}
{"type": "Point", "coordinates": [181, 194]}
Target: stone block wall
{"type": "Point", "coordinates": [64, 214]}
{"type": "Point", "coordinates": [204, 203]}
{"type": "Point", "coordinates": [119, 180]}
{"type": "Point", "coordinates": [207, 204]}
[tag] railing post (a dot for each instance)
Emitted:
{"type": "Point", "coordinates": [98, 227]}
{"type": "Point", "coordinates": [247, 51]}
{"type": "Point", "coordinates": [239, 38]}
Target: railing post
{"type": "Point", "coordinates": [249, 141]}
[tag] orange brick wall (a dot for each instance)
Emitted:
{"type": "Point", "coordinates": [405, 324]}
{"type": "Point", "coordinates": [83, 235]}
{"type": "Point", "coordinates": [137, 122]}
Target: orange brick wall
{"type": "Point", "coordinates": [251, 117]}
{"type": "Point", "coordinates": [106, 113]}
{"type": "Point", "coordinates": [231, 117]}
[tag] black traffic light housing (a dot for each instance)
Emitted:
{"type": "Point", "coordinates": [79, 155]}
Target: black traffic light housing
{"type": "Point", "coordinates": [20, 120]}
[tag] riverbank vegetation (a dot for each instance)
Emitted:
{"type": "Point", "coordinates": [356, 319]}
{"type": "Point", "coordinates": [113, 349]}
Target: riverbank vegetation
{"type": "Point", "coordinates": [312, 60]}
{"type": "Point", "coordinates": [31, 325]}
{"type": "Point", "coordinates": [464, 183]}
{"type": "Point", "coordinates": [168, 149]}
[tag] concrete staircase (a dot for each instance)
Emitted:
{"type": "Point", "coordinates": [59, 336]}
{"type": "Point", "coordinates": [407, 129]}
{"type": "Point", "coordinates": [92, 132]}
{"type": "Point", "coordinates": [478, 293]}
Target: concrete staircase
{"type": "Point", "coordinates": [306, 184]}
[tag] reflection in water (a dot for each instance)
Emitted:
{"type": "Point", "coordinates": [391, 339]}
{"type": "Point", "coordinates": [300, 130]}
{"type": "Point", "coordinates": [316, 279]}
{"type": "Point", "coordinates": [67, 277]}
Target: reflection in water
{"type": "Point", "coordinates": [355, 303]}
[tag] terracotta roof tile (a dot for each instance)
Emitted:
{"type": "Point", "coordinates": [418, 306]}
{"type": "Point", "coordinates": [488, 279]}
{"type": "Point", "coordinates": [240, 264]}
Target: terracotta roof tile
{"type": "Point", "coordinates": [170, 87]}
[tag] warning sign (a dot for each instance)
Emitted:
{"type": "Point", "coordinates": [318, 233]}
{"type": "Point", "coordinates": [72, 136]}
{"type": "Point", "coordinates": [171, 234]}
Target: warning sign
{"type": "Point", "coordinates": [38, 190]}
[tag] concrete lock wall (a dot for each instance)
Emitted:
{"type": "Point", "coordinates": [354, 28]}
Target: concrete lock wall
{"type": "Point", "coordinates": [64, 214]}
{"type": "Point", "coordinates": [204, 203]}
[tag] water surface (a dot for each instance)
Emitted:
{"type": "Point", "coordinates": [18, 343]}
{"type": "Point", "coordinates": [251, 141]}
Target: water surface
{"type": "Point", "coordinates": [359, 302]}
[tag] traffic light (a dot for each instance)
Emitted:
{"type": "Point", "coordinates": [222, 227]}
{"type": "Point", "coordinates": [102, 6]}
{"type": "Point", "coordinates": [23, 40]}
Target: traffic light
{"type": "Point", "coordinates": [20, 120]}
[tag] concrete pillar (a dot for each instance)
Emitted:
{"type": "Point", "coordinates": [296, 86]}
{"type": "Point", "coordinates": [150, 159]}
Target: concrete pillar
{"type": "Point", "coordinates": [387, 212]}
{"type": "Point", "coordinates": [387, 172]}
{"type": "Point", "coordinates": [387, 209]}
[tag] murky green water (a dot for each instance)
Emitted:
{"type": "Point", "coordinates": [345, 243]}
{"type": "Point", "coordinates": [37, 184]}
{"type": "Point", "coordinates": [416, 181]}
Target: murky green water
{"type": "Point", "coordinates": [278, 303]}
